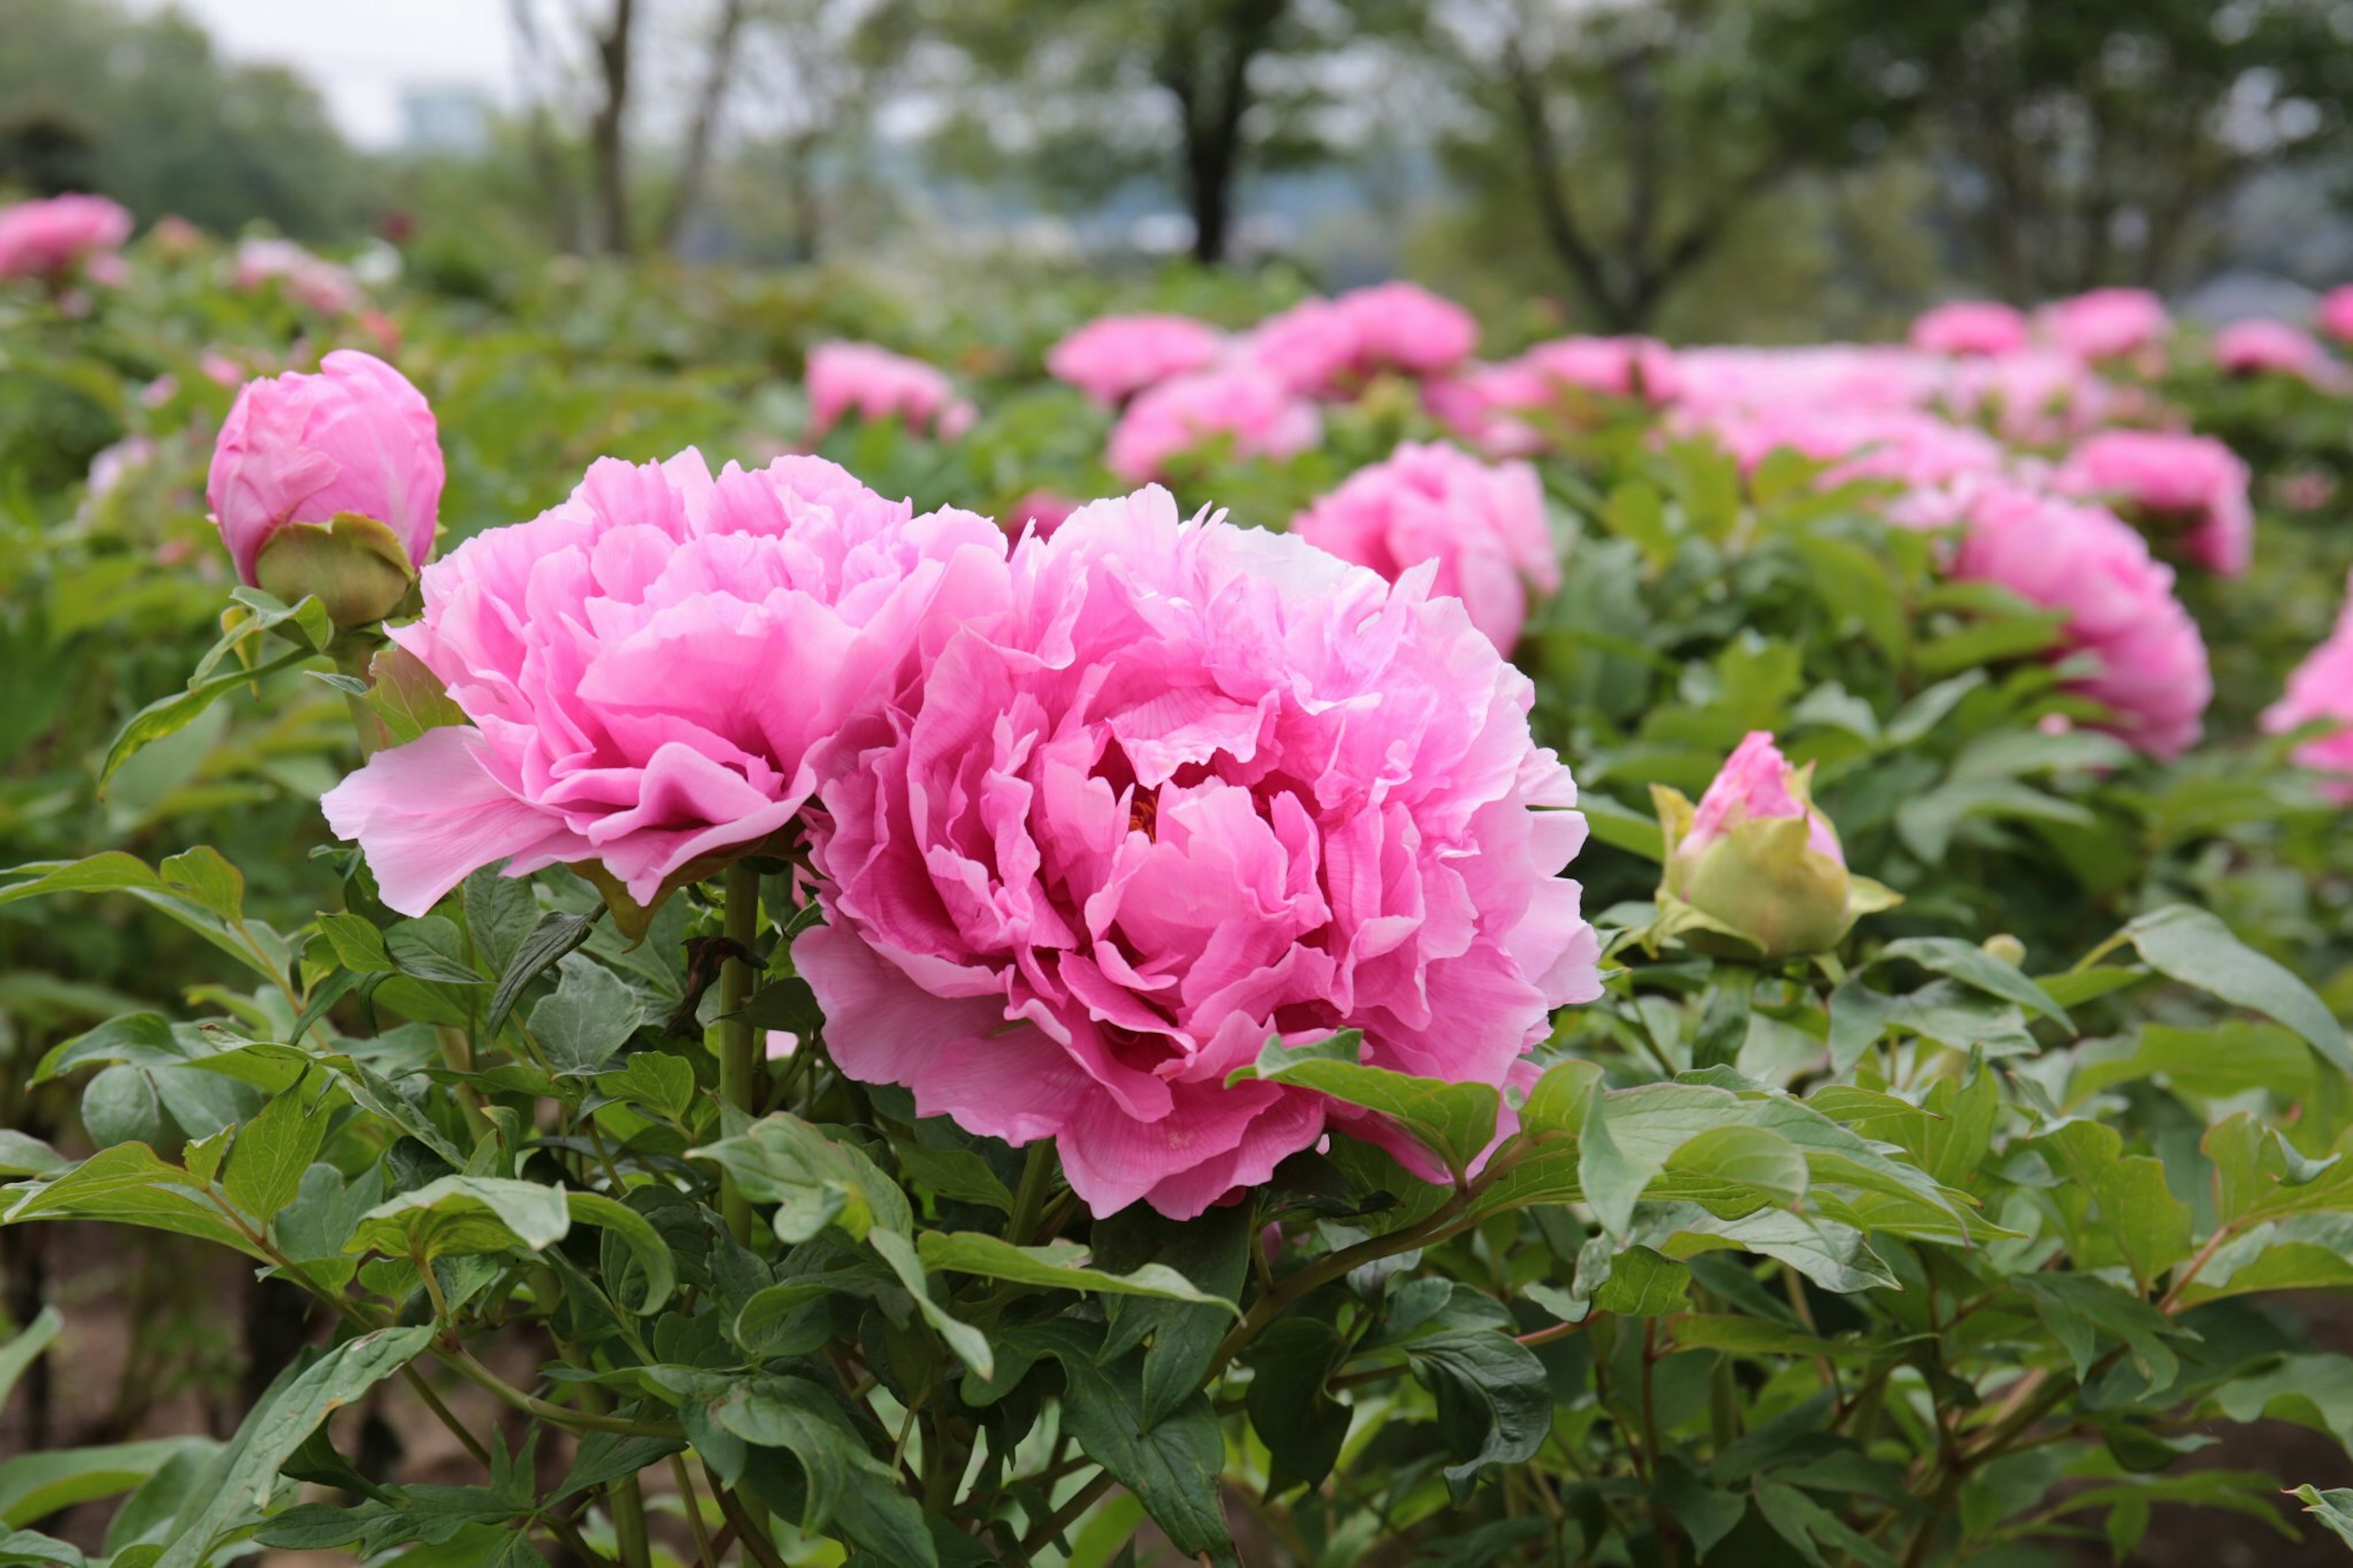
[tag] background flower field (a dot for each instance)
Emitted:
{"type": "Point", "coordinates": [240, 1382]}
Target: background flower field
{"type": "Point", "coordinates": [1916, 1132]}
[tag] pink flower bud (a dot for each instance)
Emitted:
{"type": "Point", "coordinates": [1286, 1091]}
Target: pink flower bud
{"type": "Point", "coordinates": [354, 441]}
{"type": "Point", "coordinates": [1755, 870]}
{"type": "Point", "coordinates": [47, 238]}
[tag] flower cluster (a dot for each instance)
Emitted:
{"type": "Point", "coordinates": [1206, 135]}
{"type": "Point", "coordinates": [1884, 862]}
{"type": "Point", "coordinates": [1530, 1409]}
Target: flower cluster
{"type": "Point", "coordinates": [870, 383]}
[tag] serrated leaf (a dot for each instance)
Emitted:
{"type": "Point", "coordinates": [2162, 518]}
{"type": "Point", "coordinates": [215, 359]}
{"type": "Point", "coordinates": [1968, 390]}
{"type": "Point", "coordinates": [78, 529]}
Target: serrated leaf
{"type": "Point", "coordinates": [271, 1151]}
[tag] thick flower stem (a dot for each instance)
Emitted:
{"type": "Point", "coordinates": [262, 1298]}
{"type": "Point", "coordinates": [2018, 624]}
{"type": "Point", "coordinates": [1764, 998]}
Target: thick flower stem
{"type": "Point", "coordinates": [739, 1050]}
{"type": "Point", "coordinates": [1037, 1170]}
{"type": "Point", "coordinates": [351, 658]}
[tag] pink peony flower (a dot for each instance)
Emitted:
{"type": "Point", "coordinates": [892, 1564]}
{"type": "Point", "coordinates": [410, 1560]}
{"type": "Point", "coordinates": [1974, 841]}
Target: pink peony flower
{"type": "Point", "coordinates": [220, 369]}
{"type": "Point", "coordinates": [1114, 357]}
{"type": "Point", "coordinates": [2119, 603]}
{"type": "Point", "coordinates": [49, 238]}
{"type": "Point", "coordinates": [1042, 509]}
{"type": "Point", "coordinates": [1756, 783]}
{"type": "Point", "coordinates": [1206, 784]}
{"type": "Point", "coordinates": [2106, 323]}
{"type": "Point", "coordinates": [653, 668]}
{"type": "Point", "coordinates": [1241, 403]}
{"type": "Point", "coordinates": [875, 383]}
{"type": "Point", "coordinates": [175, 237]}
{"type": "Point", "coordinates": [2165, 475]}
{"type": "Point", "coordinates": [2322, 689]}
{"type": "Point", "coordinates": [2337, 313]}
{"type": "Point", "coordinates": [2037, 397]}
{"type": "Point", "coordinates": [1484, 527]}
{"type": "Point", "coordinates": [1897, 443]}
{"type": "Point", "coordinates": [1405, 327]}
{"type": "Point", "coordinates": [1328, 348]}
{"type": "Point", "coordinates": [355, 438]}
{"type": "Point", "coordinates": [113, 464]}
{"type": "Point", "coordinates": [312, 282]}
{"type": "Point", "coordinates": [1969, 327]}
{"type": "Point", "coordinates": [1844, 375]}
{"type": "Point", "coordinates": [2274, 348]}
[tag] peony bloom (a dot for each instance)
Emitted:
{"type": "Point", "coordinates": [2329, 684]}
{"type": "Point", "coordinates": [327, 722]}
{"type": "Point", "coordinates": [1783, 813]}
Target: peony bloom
{"type": "Point", "coordinates": [1405, 327]}
{"type": "Point", "coordinates": [2106, 323]}
{"type": "Point", "coordinates": [2036, 396]}
{"type": "Point", "coordinates": [1483, 526]}
{"type": "Point", "coordinates": [2322, 689]}
{"type": "Point", "coordinates": [1044, 511]}
{"type": "Point", "coordinates": [175, 237]}
{"type": "Point", "coordinates": [296, 450]}
{"type": "Point", "coordinates": [2274, 348]}
{"type": "Point", "coordinates": [1755, 870]}
{"type": "Point", "coordinates": [1894, 443]}
{"type": "Point", "coordinates": [1969, 327]}
{"type": "Point", "coordinates": [49, 238]}
{"type": "Point", "coordinates": [2337, 313]}
{"type": "Point", "coordinates": [1241, 403]}
{"type": "Point", "coordinates": [2162, 475]}
{"type": "Point", "coordinates": [2119, 604]}
{"type": "Point", "coordinates": [653, 668]}
{"type": "Point", "coordinates": [1329, 348]}
{"type": "Point", "coordinates": [875, 383]}
{"type": "Point", "coordinates": [1114, 357]}
{"type": "Point", "coordinates": [1204, 785]}
{"type": "Point", "coordinates": [312, 282]}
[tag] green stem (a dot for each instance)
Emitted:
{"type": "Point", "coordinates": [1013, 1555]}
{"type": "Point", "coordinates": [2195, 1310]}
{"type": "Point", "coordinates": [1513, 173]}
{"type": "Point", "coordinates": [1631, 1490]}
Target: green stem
{"type": "Point", "coordinates": [739, 1050]}
{"type": "Point", "coordinates": [1037, 1171]}
{"type": "Point", "coordinates": [629, 1538]}
{"type": "Point", "coordinates": [351, 658]}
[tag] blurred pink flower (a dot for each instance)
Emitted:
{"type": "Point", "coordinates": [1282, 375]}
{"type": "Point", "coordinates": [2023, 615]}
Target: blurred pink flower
{"type": "Point", "coordinates": [1970, 326]}
{"type": "Point", "coordinates": [114, 463]}
{"type": "Point", "coordinates": [654, 668]}
{"type": "Point", "coordinates": [107, 269]}
{"type": "Point", "coordinates": [1328, 348]}
{"type": "Point", "coordinates": [2321, 690]}
{"type": "Point", "coordinates": [2259, 348]}
{"type": "Point", "coordinates": [1240, 403]}
{"type": "Point", "coordinates": [2165, 476]}
{"type": "Point", "coordinates": [355, 438]}
{"type": "Point", "coordinates": [874, 383]}
{"type": "Point", "coordinates": [1898, 444]}
{"type": "Point", "coordinates": [312, 282]}
{"type": "Point", "coordinates": [2036, 396]}
{"type": "Point", "coordinates": [219, 367]}
{"type": "Point", "coordinates": [1484, 527]}
{"type": "Point", "coordinates": [2335, 314]}
{"type": "Point", "coordinates": [49, 238]}
{"type": "Point", "coordinates": [1204, 786]}
{"type": "Point", "coordinates": [160, 391]}
{"type": "Point", "coordinates": [2106, 323]}
{"type": "Point", "coordinates": [1041, 509]}
{"type": "Point", "coordinates": [1844, 375]}
{"type": "Point", "coordinates": [1113, 358]}
{"type": "Point", "coordinates": [175, 237]}
{"type": "Point", "coordinates": [2119, 603]}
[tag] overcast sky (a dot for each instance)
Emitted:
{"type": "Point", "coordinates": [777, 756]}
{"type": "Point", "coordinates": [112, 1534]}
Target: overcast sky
{"type": "Point", "coordinates": [360, 53]}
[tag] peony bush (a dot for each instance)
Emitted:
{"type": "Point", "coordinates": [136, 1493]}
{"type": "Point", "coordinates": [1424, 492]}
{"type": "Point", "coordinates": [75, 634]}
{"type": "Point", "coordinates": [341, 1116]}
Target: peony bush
{"type": "Point", "coordinates": [1234, 934]}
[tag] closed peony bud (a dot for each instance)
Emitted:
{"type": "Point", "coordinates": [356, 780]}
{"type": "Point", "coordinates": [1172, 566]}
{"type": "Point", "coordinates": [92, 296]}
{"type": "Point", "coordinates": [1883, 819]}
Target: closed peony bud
{"type": "Point", "coordinates": [329, 485]}
{"type": "Point", "coordinates": [1755, 870]}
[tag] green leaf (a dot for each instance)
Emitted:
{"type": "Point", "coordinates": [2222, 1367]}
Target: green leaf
{"type": "Point", "coordinates": [1754, 1158]}
{"type": "Point", "coordinates": [1060, 1266]}
{"type": "Point", "coordinates": [556, 934]}
{"type": "Point", "coordinates": [169, 715]}
{"type": "Point", "coordinates": [1636, 511]}
{"type": "Point", "coordinates": [2138, 1214]}
{"type": "Point", "coordinates": [1291, 1408]}
{"type": "Point", "coordinates": [272, 1150]}
{"type": "Point", "coordinates": [655, 1079]}
{"type": "Point", "coordinates": [2333, 1509]}
{"type": "Point", "coordinates": [30, 1546]}
{"type": "Point", "coordinates": [277, 1426]}
{"type": "Point", "coordinates": [2211, 1063]}
{"type": "Point", "coordinates": [1644, 1284]}
{"type": "Point", "coordinates": [2193, 947]}
{"type": "Point", "coordinates": [1494, 1404]}
{"type": "Point", "coordinates": [34, 1485]}
{"type": "Point", "coordinates": [1171, 1464]}
{"type": "Point", "coordinates": [208, 881]}
{"type": "Point", "coordinates": [431, 949]}
{"type": "Point", "coordinates": [816, 1181]}
{"type": "Point", "coordinates": [26, 1347]}
{"type": "Point", "coordinates": [958, 1174]}
{"type": "Point", "coordinates": [22, 1154]}
{"type": "Point", "coordinates": [637, 1233]}
{"type": "Point", "coordinates": [1973, 965]}
{"type": "Point", "coordinates": [127, 1184]}
{"type": "Point", "coordinates": [1455, 1121]}
{"type": "Point", "coordinates": [590, 1015]}
{"type": "Point", "coordinates": [463, 1215]}
{"type": "Point", "coordinates": [357, 943]}
{"type": "Point", "coordinates": [2078, 1308]}
{"type": "Point", "coordinates": [844, 1481]}
{"type": "Point", "coordinates": [115, 872]}
{"type": "Point", "coordinates": [406, 697]}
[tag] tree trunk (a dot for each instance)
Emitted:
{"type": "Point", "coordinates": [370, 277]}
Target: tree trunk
{"type": "Point", "coordinates": [695, 166]}
{"type": "Point", "coordinates": [1213, 96]}
{"type": "Point", "coordinates": [607, 132]}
